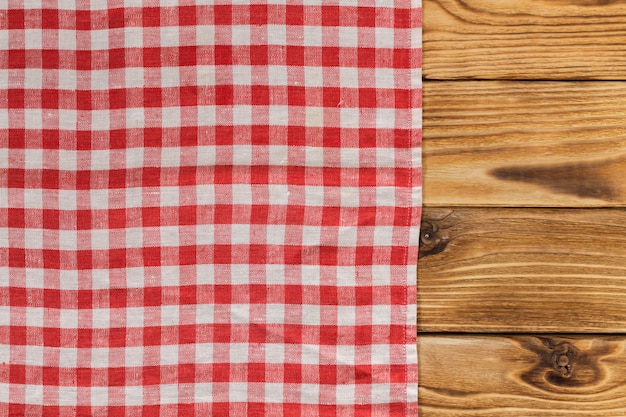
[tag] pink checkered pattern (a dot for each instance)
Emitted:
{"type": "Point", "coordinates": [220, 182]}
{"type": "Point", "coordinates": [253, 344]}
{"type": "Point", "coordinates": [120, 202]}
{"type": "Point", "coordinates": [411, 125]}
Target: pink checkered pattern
{"type": "Point", "coordinates": [209, 208]}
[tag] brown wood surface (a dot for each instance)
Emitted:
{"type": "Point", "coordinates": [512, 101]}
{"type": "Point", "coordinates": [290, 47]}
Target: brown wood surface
{"type": "Point", "coordinates": [524, 39]}
{"type": "Point", "coordinates": [522, 270]}
{"type": "Point", "coordinates": [524, 228]}
{"type": "Point", "coordinates": [551, 144]}
{"type": "Point", "coordinates": [522, 375]}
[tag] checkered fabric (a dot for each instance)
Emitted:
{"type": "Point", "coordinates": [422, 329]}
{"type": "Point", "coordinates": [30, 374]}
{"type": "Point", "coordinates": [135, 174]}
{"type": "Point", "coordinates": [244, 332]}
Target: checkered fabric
{"type": "Point", "coordinates": [209, 208]}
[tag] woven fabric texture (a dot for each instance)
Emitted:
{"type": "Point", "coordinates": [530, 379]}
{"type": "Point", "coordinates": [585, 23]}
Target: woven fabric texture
{"type": "Point", "coordinates": [209, 208]}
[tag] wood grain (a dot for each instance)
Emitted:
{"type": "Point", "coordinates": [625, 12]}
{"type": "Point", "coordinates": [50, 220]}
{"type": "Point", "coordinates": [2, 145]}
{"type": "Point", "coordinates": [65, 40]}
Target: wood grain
{"type": "Point", "coordinates": [522, 375]}
{"type": "Point", "coordinates": [522, 270]}
{"type": "Point", "coordinates": [550, 144]}
{"type": "Point", "coordinates": [524, 39]}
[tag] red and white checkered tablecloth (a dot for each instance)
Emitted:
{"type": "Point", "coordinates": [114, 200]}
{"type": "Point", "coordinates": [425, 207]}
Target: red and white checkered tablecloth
{"type": "Point", "coordinates": [209, 208]}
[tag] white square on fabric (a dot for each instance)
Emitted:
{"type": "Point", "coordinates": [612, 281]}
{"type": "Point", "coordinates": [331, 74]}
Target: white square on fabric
{"type": "Point", "coordinates": [238, 352]}
{"type": "Point", "coordinates": [34, 318]}
{"type": "Point", "coordinates": [170, 315]}
{"type": "Point", "coordinates": [238, 392]}
{"type": "Point", "coordinates": [277, 75]}
{"type": "Point", "coordinates": [68, 318]}
{"type": "Point", "coordinates": [240, 35]}
{"type": "Point", "coordinates": [67, 38]}
{"type": "Point", "coordinates": [4, 121]}
{"type": "Point", "coordinates": [205, 35]}
{"type": "Point", "coordinates": [168, 355]}
{"type": "Point", "coordinates": [314, 156]}
{"type": "Point", "coordinates": [314, 195]}
{"type": "Point", "coordinates": [100, 119]}
{"type": "Point", "coordinates": [33, 198]}
{"type": "Point", "coordinates": [345, 394]}
{"type": "Point", "coordinates": [309, 393]}
{"type": "Point", "coordinates": [381, 315]}
{"type": "Point", "coordinates": [170, 35]}
{"type": "Point", "coordinates": [314, 77]}
{"type": "Point", "coordinates": [385, 196]}
{"type": "Point", "coordinates": [274, 392]}
{"type": "Point", "coordinates": [311, 235]}
{"type": "Point", "coordinates": [133, 395]}
{"type": "Point", "coordinates": [275, 234]}
{"type": "Point", "coordinates": [170, 236]}
{"type": "Point", "coordinates": [133, 37]}
{"type": "Point", "coordinates": [274, 314]}
{"type": "Point", "coordinates": [67, 395]}
{"type": "Point", "coordinates": [68, 119]}
{"type": "Point", "coordinates": [101, 318]}
{"type": "Point", "coordinates": [33, 393]}
{"type": "Point", "coordinates": [385, 38]}
{"type": "Point", "coordinates": [242, 154]}
{"type": "Point", "coordinates": [381, 354]}
{"type": "Point", "coordinates": [99, 357]}
{"type": "Point", "coordinates": [279, 115]}
{"type": "Point", "coordinates": [385, 118]}
{"type": "Point", "coordinates": [348, 236]}
{"type": "Point", "coordinates": [134, 356]}
{"type": "Point", "coordinates": [67, 357]}
{"type": "Point", "coordinates": [348, 36]}
{"type": "Point", "coordinates": [279, 194]}
{"type": "Point", "coordinates": [34, 279]}
{"type": "Point", "coordinates": [383, 235]}
{"type": "Point", "coordinates": [346, 315]}
{"type": "Point", "coordinates": [170, 77]}
{"type": "Point", "coordinates": [385, 78]}
{"type": "Point", "coordinates": [135, 277]}
{"type": "Point", "coordinates": [34, 119]}
{"type": "Point", "coordinates": [169, 394]}
{"type": "Point", "coordinates": [274, 353]}
{"type": "Point", "coordinates": [314, 116]}
{"type": "Point", "coordinates": [33, 79]}
{"type": "Point", "coordinates": [170, 196]}
{"type": "Point", "coordinates": [278, 155]}
{"type": "Point", "coordinates": [99, 39]}
{"type": "Point", "coordinates": [204, 353]}
{"type": "Point", "coordinates": [276, 34]}
{"type": "Point", "coordinates": [312, 36]}
{"type": "Point", "coordinates": [5, 317]}
{"type": "Point", "coordinates": [68, 240]}
{"type": "Point", "coordinates": [99, 396]}
{"type": "Point", "coordinates": [242, 194]}
{"type": "Point", "coordinates": [135, 316]}
{"type": "Point", "coordinates": [311, 315]}
{"type": "Point", "coordinates": [239, 313]}
{"type": "Point", "coordinates": [133, 77]}
{"type": "Point", "coordinates": [67, 79]}
{"type": "Point", "coordinates": [349, 77]}
{"type": "Point", "coordinates": [135, 117]}
{"type": "Point", "coordinates": [100, 279]}
{"type": "Point", "coordinates": [240, 234]}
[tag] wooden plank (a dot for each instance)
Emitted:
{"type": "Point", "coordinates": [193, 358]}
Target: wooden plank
{"type": "Point", "coordinates": [522, 270]}
{"type": "Point", "coordinates": [521, 376]}
{"type": "Point", "coordinates": [551, 144]}
{"type": "Point", "coordinates": [524, 39]}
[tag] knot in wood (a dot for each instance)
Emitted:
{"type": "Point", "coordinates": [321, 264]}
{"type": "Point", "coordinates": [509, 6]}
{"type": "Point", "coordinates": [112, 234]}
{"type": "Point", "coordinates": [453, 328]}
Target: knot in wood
{"type": "Point", "coordinates": [429, 234]}
{"type": "Point", "coordinates": [563, 357]}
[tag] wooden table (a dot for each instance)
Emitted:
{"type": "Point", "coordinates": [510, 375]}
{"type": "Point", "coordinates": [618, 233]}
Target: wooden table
{"type": "Point", "coordinates": [522, 271]}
